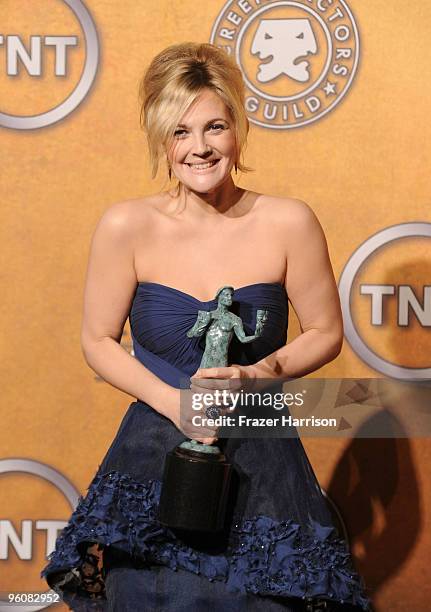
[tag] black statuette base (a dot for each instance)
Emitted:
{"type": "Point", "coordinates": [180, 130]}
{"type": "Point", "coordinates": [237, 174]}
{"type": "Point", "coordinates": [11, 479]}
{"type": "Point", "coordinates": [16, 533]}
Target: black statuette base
{"type": "Point", "coordinates": [195, 490]}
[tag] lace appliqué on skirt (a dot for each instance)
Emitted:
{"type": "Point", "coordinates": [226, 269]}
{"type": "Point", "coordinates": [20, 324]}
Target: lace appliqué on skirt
{"type": "Point", "coordinates": [264, 557]}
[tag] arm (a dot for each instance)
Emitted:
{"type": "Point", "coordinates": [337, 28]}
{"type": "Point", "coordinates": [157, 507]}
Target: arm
{"type": "Point", "coordinates": [240, 334]}
{"type": "Point", "coordinates": [313, 293]}
{"type": "Point", "coordinates": [261, 317]}
{"type": "Point", "coordinates": [109, 290]}
{"type": "Point", "coordinates": [200, 325]}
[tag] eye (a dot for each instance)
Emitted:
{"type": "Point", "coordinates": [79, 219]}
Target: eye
{"type": "Point", "coordinates": [217, 126]}
{"type": "Point", "coordinates": [300, 35]}
{"type": "Point", "coordinates": [178, 133]}
{"type": "Point", "coordinates": [267, 36]}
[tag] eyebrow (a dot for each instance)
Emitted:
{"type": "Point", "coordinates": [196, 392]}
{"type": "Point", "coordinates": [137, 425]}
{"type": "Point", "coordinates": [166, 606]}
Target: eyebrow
{"type": "Point", "coordinates": [183, 125]}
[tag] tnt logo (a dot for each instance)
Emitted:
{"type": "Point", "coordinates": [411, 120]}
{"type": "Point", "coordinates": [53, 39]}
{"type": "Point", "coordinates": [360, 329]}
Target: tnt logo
{"type": "Point", "coordinates": [26, 537]}
{"type": "Point", "coordinates": [407, 303]}
{"type": "Point", "coordinates": [298, 59]}
{"type": "Point", "coordinates": [48, 61]}
{"type": "Point", "coordinates": [31, 60]}
{"type": "Point", "coordinates": [385, 291]}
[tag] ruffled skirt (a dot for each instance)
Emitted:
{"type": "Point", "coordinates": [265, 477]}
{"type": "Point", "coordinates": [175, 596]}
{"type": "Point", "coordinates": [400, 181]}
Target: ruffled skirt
{"type": "Point", "coordinates": [279, 547]}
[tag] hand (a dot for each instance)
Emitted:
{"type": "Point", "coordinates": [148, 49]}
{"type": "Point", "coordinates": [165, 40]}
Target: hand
{"type": "Point", "coordinates": [182, 414]}
{"type": "Point", "coordinates": [230, 378]}
{"type": "Point", "coordinates": [204, 382]}
{"type": "Point", "coordinates": [252, 378]}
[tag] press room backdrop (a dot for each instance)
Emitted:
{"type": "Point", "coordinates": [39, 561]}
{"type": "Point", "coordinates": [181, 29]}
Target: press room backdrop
{"type": "Point", "coordinates": [340, 119]}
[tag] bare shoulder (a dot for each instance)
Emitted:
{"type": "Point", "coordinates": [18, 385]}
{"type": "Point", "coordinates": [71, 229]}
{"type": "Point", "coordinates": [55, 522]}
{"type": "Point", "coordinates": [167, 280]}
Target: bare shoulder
{"type": "Point", "coordinates": [293, 222]}
{"type": "Point", "coordinates": [291, 211]}
{"type": "Point", "coordinates": [128, 216]}
{"type": "Point", "coordinates": [293, 217]}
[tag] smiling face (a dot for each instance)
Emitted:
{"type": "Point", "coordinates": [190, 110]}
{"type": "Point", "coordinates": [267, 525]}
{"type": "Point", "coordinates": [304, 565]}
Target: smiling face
{"type": "Point", "coordinates": [203, 150]}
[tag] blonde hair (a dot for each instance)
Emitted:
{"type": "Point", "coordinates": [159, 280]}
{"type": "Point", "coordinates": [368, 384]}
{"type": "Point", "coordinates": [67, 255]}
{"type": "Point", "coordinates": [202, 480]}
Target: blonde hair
{"type": "Point", "coordinates": [174, 79]}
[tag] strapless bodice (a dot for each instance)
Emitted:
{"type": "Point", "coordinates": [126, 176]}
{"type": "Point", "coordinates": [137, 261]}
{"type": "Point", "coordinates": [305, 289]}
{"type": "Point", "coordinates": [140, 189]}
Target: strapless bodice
{"type": "Point", "coordinates": [160, 317]}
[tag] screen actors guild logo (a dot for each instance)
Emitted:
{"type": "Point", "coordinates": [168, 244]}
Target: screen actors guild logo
{"type": "Point", "coordinates": [284, 41]}
{"type": "Point", "coordinates": [298, 58]}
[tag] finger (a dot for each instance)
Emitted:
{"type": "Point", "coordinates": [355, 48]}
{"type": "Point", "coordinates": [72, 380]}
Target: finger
{"type": "Point", "coordinates": [207, 440]}
{"type": "Point", "coordinates": [235, 371]}
{"type": "Point", "coordinates": [205, 375]}
{"type": "Point", "coordinates": [211, 383]}
{"type": "Point", "coordinates": [194, 435]}
{"type": "Point", "coordinates": [205, 372]}
{"type": "Point", "coordinates": [210, 440]}
{"type": "Point", "coordinates": [202, 404]}
{"type": "Point", "coordinates": [220, 372]}
{"type": "Point", "coordinates": [205, 394]}
{"type": "Point", "coordinates": [201, 432]}
{"type": "Point", "coordinates": [236, 383]}
{"type": "Point", "coordinates": [203, 386]}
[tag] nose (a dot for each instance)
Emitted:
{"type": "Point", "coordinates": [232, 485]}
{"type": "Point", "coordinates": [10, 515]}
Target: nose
{"type": "Point", "coordinates": [200, 147]}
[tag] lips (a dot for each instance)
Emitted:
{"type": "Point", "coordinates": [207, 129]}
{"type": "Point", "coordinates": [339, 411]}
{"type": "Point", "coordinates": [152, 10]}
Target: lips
{"type": "Point", "coordinates": [203, 165]}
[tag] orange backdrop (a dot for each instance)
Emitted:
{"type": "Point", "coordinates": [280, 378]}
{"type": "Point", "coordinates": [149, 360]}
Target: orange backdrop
{"type": "Point", "coordinates": [362, 167]}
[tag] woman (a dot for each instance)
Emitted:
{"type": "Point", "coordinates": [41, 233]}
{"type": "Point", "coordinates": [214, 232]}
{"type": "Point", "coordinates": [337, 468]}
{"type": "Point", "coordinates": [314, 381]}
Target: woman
{"type": "Point", "coordinates": [159, 260]}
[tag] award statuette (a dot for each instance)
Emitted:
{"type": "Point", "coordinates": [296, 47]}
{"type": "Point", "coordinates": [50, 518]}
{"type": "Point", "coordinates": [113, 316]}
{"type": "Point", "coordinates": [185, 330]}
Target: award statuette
{"type": "Point", "coordinates": [196, 476]}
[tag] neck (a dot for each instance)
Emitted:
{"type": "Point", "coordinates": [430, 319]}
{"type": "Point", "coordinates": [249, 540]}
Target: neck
{"type": "Point", "coordinates": [214, 203]}
{"type": "Point", "coordinates": [221, 308]}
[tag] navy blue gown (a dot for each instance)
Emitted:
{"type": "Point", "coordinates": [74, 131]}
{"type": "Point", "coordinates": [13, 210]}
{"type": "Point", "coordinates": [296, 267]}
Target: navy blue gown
{"type": "Point", "coordinates": [280, 547]}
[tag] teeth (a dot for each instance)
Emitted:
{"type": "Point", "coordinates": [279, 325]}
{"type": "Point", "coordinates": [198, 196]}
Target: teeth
{"type": "Point", "coordinates": [202, 166]}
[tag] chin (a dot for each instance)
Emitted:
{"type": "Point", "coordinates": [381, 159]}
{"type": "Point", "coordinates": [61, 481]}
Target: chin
{"type": "Point", "coordinates": [203, 185]}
